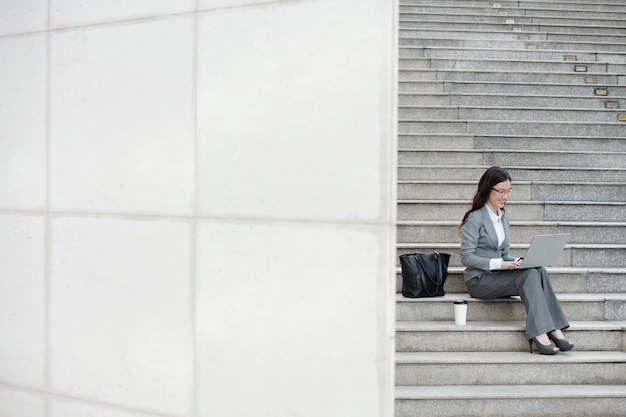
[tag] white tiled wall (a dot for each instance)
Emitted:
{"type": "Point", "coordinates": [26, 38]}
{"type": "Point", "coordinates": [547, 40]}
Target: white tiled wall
{"type": "Point", "coordinates": [287, 311]}
{"type": "Point", "coordinates": [120, 292]}
{"type": "Point", "coordinates": [23, 121]}
{"type": "Point", "coordinates": [19, 403]}
{"type": "Point", "coordinates": [288, 142]}
{"type": "Point", "coordinates": [23, 16]}
{"type": "Point", "coordinates": [196, 208]}
{"type": "Point", "coordinates": [70, 13]}
{"type": "Point", "coordinates": [22, 300]}
{"type": "Point", "coordinates": [121, 118]}
{"type": "Point", "coordinates": [61, 407]}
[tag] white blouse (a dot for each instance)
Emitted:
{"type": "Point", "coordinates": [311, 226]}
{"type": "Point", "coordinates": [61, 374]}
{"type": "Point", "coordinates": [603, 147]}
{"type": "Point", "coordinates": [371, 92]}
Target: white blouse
{"type": "Point", "coordinates": [496, 263]}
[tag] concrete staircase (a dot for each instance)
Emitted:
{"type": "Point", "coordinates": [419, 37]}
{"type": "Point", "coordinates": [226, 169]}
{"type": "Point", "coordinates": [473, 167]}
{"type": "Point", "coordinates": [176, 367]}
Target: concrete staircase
{"type": "Point", "coordinates": [538, 87]}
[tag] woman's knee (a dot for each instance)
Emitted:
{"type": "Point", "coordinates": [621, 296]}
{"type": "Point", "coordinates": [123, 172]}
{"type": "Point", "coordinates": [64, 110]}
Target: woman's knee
{"type": "Point", "coordinates": [531, 277]}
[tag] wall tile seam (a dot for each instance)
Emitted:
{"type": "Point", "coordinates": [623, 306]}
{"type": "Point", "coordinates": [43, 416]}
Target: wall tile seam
{"type": "Point", "coordinates": [47, 394]}
{"type": "Point", "coordinates": [149, 217]}
{"type": "Point", "coordinates": [387, 392]}
{"type": "Point", "coordinates": [104, 24]}
{"type": "Point", "coordinates": [193, 266]}
{"type": "Point", "coordinates": [136, 20]}
{"type": "Point", "coordinates": [47, 350]}
{"type": "Point", "coordinates": [249, 5]}
{"type": "Point", "coordinates": [182, 217]}
{"type": "Point", "coordinates": [47, 309]}
{"type": "Point", "coordinates": [23, 34]}
{"type": "Point", "coordinates": [193, 233]}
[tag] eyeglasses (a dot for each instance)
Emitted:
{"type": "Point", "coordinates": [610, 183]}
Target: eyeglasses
{"type": "Point", "coordinates": [502, 193]}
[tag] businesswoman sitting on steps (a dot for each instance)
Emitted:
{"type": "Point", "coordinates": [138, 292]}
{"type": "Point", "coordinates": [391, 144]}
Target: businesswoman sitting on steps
{"type": "Point", "coordinates": [492, 273]}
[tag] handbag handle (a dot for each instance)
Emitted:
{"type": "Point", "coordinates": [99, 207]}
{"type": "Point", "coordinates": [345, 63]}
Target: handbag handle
{"type": "Point", "coordinates": [439, 274]}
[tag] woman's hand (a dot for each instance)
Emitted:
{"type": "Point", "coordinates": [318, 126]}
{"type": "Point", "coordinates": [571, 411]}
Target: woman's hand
{"type": "Point", "coordinates": [511, 265]}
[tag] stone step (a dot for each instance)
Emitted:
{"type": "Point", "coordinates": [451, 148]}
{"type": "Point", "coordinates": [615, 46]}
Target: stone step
{"type": "Point", "coordinates": [409, 38]}
{"type": "Point", "coordinates": [435, 210]}
{"type": "Point", "coordinates": [414, 22]}
{"type": "Point", "coordinates": [534, 191]}
{"type": "Point", "coordinates": [575, 41]}
{"type": "Point", "coordinates": [513, 142]}
{"type": "Point", "coordinates": [577, 307]}
{"type": "Point", "coordinates": [513, 41]}
{"type": "Point", "coordinates": [480, 64]}
{"type": "Point", "coordinates": [514, 127]}
{"type": "Point", "coordinates": [515, 88]}
{"type": "Point", "coordinates": [564, 280]}
{"type": "Point", "coordinates": [514, 101]}
{"type": "Point", "coordinates": [528, 211]}
{"type": "Point", "coordinates": [496, 35]}
{"type": "Point", "coordinates": [541, 63]}
{"type": "Point", "coordinates": [610, 234]}
{"type": "Point", "coordinates": [511, 400]}
{"type": "Point", "coordinates": [523, 14]}
{"type": "Point", "coordinates": [601, 5]}
{"type": "Point", "coordinates": [511, 113]}
{"type": "Point", "coordinates": [529, 173]}
{"type": "Point", "coordinates": [512, 19]}
{"type": "Point", "coordinates": [511, 76]}
{"type": "Point", "coordinates": [574, 255]}
{"type": "Point", "coordinates": [616, 5]}
{"type": "Point", "coordinates": [506, 336]}
{"type": "Point", "coordinates": [520, 54]}
{"type": "Point", "coordinates": [513, 158]}
{"type": "Point", "coordinates": [522, 368]}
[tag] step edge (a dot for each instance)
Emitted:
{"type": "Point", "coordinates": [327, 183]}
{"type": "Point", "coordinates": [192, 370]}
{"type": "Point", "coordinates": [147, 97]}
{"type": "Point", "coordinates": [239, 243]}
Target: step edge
{"type": "Point", "coordinates": [471, 392]}
{"type": "Point", "coordinates": [499, 326]}
{"type": "Point", "coordinates": [563, 297]}
{"type": "Point", "coordinates": [524, 358]}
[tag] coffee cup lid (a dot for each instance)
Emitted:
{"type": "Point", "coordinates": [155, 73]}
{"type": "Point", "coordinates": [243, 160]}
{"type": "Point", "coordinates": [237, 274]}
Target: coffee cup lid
{"type": "Point", "coordinates": [460, 302]}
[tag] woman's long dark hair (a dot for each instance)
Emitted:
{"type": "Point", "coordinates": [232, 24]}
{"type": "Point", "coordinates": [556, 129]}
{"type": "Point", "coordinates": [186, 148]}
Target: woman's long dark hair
{"type": "Point", "coordinates": [491, 177]}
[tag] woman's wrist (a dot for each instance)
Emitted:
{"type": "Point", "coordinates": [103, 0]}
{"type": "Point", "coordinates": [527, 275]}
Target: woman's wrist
{"type": "Point", "coordinates": [495, 263]}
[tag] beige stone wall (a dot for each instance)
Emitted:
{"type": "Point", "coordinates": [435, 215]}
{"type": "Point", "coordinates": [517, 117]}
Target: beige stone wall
{"type": "Point", "coordinates": [197, 208]}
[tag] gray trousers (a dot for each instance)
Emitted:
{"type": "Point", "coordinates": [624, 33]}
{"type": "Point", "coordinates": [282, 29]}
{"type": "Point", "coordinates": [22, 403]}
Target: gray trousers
{"type": "Point", "coordinates": [543, 311]}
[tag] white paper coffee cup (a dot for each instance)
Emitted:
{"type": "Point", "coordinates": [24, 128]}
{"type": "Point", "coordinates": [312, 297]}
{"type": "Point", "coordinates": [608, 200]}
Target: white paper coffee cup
{"type": "Point", "coordinates": [460, 312]}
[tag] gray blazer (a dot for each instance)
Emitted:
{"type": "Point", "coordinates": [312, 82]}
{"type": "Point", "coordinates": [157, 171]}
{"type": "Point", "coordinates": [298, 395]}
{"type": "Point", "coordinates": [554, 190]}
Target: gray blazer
{"type": "Point", "coordinates": [480, 243]}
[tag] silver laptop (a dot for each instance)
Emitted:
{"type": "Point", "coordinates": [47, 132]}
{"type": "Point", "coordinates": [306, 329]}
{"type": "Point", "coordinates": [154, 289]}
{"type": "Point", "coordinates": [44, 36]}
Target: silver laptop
{"type": "Point", "coordinates": [545, 250]}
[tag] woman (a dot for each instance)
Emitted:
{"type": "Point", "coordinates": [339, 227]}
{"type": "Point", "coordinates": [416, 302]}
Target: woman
{"type": "Point", "coordinates": [492, 273]}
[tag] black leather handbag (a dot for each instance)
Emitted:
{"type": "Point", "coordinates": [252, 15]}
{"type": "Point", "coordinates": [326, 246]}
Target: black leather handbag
{"type": "Point", "coordinates": [423, 274]}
